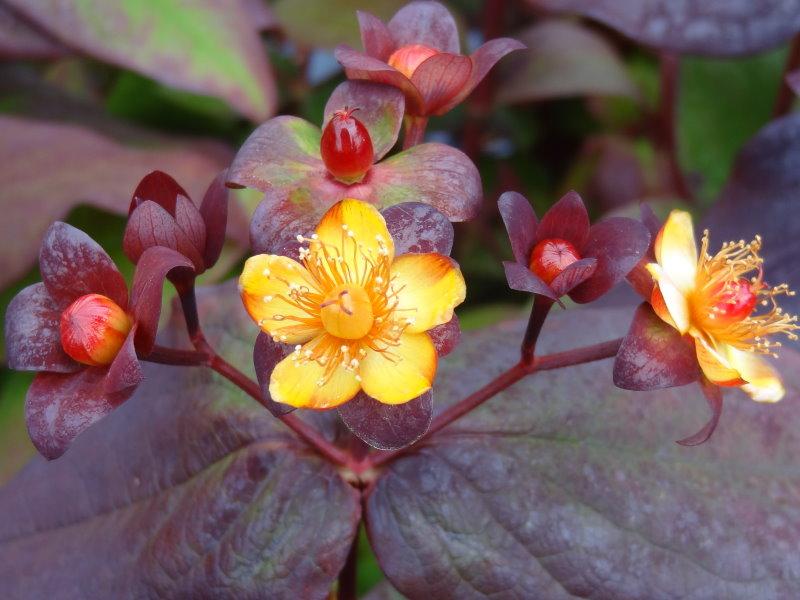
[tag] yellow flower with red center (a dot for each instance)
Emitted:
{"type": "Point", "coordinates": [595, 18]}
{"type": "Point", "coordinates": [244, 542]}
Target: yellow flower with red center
{"type": "Point", "coordinates": [357, 315]}
{"type": "Point", "coordinates": [714, 299]}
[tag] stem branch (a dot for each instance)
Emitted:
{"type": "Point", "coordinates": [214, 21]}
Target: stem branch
{"type": "Point", "coordinates": [539, 312]}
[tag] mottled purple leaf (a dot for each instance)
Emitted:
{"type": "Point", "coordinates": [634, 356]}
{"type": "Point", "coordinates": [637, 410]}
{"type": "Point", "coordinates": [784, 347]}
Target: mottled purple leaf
{"type": "Point", "coordinates": [522, 279]}
{"type": "Point", "coordinates": [446, 336]}
{"type": "Point", "coordinates": [380, 109]}
{"type": "Point", "coordinates": [713, 394]}
{"type": "Point", "coordinates": [266, 354]}
{"type": "Point", "coordinates": [188, 490]}
{"type": "Point", "coordinates": [125, 372]}
{"type": "Point", "coordinates": [427, 23]}
{"type": "Point", "coordinates": [654, 355]}
{"type": "Point", "coordinates": [707, 27]}
{"type": "Point", "coordinates": [33, 333]}
{"type": "Point", "coordinates": [72, 265]}
{"type": "Point", "coordinates": [566, 220]}
{"type": "Point", "coordinates": [387, 426]}
{"type": "Point", "coordinates": [22, 40]}
{"type": "Point", "coordinates": [440, 78]}
{"type": "Point", "coordinates": [375, 37]}
{"type": "Point", "coordinates": [521, 223]}
{"type": "Point", "coordinates": [564, 59]}
{"type": "Point", "coordinates": [203, 48]}
{"type": "Point", "coordinates": [573, 275]}
{"type": "Point", "coordinates": [564, 486]}
{"type": "Point", "coordinates": [418, 228]}
{"type": "Point", "coordinates": [618, 244]}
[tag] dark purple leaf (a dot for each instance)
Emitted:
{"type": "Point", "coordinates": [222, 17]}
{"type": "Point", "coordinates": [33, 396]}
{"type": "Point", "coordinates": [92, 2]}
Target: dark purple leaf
{"type": "Point", "coordinates": [707, 27]}
{"type": "Point", "coordinates": [380, 109]}
{"type": "Point", "coordinates": [159, 188]}
{"type": "Point", "coordinates": [761, 198]}
{"type": "Point", "coordinates": [446, 336]}
{"type": "Point", "coordinates": [266, 354]}
{"type": "Point", "coordinates": [793, 80]}
{"type": "Point", "coordinates": [151, 226]}
{"type": "Point", "coordinates": [418, 228]}
{"type": "Point", "coordinates": [618, 244]}
{"type": "Point", "coordinates": [125, 372]}
{"type": "Point", "coordinates": [522, 279]}
{"type": "Point", "coordinates": [564, 486]}
{"type": "Point", "coordinates": [566, 220]}
{"type": "Point", "coordinates": [33, 333]}
{"type": "Point", "coordinates": [713, 394]}
{"type": "Point", "coordinates": [375, 37]}
{"type": "Point", "coordinates": [214, 211]}
{"type": "Point", "coordinates": [19, 39]}
{"type": "Point", "coordinates": [573, 275]}
{"type": "Point", "coordinates": [204, 48]}
{"type": "Point", "coordinates": [440, 78]}
{"type": "Point", "coordinates": [148, 284]}
{"type": "Point", "coordinates": [387, 426]}
{"type": "Point", "coordinates": [277, 221]}
{"type": "Point", "coordinates": [521, 224]}
{"type": "Point", "coordinates": [426, 23]}
{"type": "Point", "coordinates": [210, 494]}
{"type": "Point", "coordinates": [654, 355]}
{"type": "Point", "coordinates": [72, 265]}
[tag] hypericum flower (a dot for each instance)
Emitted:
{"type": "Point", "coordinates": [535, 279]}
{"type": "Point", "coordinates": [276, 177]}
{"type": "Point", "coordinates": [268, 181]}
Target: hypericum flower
{"type": "Point", "coordinates": [562, 254]}
{"type": "Point", "coordinates": [303, 174]}
{"type": "Point", "coordinates": [418, 52]}
{"type": "Point", "coordinates": [79, 330]}
{"type": "Point", "coordinates": [723, 303]}
{"type": "Point", "coordinates": [357, 315]}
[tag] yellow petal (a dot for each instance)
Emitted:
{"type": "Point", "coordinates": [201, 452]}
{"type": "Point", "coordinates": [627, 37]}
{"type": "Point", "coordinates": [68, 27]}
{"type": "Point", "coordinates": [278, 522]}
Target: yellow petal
{"type": "Point", "coordinates": [429, 287]}
{"type": "Point", "coordinates": [298, 384]}
{"type": "Point", "coordinates": [264, 287]}
{"type": "Point", "coordinates": [763, 382]}
{"type": "Point", "coordinates": [674, 300]}
{"type": "Point", "coordinates": [715, 363]}
{"type": "Point", "coordinates": [401, 374]}
{"type": "Point", "coordinates": [676, 250]}
{"type": "Point", "coordinates": [356, 231]}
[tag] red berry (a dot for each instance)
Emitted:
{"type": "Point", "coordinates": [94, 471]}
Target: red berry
{"type": "Point", "coordinates": [93, 329]}
{"type": "Point", "coordinates": [346, 147]}
{"type": "Point", "coordinates": [550, 257]}
{"type": "Point", "coordinates": [408, 58]}
{"type": "Point", "coordinates": [735, 301]}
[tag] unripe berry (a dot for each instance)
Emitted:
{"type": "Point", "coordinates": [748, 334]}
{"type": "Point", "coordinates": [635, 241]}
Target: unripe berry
{"type": "Point", "coordinates": [408, 58]}
{"type": "Point", "coordinates": [550, 257]}
{"type": "Point", "coordinates": [93, 329]}
{"type": "Point", "coordinates": [346, 147]}
{"type": "Point", "coordinates": [735, 301]}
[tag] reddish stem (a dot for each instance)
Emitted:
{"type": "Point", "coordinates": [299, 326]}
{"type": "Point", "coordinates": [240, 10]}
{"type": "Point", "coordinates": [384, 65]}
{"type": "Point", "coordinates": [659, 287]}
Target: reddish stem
{"type": "Point", "coordinates": [785, 99]}
{"type": "Point", "coordinates": [414, 131]}
{"type": "Point", "coordinates": [541, 308]}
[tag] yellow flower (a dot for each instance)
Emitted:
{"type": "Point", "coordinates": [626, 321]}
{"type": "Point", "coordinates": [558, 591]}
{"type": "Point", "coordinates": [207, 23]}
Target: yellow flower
{"type": "Point", "coordinates": [357, 315]}
{"type": "Point", "coordinates": [714, 299]}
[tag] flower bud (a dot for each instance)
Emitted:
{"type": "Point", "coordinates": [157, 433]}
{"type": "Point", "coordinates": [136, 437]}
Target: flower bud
{"type": "Point", "coordinates": [408, 58]}
{"type": "Point", "coordinates": [550, 257]}
{"type": "Point", "coordinates": [93, 329]}
{"type": "Point", "coordinates": [346, 147]}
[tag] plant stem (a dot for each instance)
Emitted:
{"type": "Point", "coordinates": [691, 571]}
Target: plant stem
{"type": "Point", "coordinates": [414, 131]}
{"type": "Point", "coordinates": [348, 577]}
{"type": "Point", "coordinates": [175, 357]}
{"type": "Point", "coordinates": [506, 379]}
{"type": "Point", "coordinates": [539, 312]}
{"type": "Point", "coordinates": [785, 99]}
{"type": "Point", "coordinates": [670, 73]}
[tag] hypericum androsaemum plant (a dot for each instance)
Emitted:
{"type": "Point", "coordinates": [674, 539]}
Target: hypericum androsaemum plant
{"type": "Point", "coordinates": [347, 306]}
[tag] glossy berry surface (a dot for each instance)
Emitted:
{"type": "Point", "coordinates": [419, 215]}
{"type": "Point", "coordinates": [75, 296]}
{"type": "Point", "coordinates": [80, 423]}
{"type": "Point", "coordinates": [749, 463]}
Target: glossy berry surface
{"type": "Point", "coordinates": [550, 257]}
{"type": "Point", "coordinates": [408, 58]}
{"type": "Point", "coordinates": [346, 147]}
{"type": "Point", "coordinates": [734, 302]}
{"type": "Point", "coordinates": [93, 329]}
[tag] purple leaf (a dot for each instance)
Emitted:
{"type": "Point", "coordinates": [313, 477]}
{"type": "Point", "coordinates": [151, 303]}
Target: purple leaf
{"type": "Point", "coordinates": [618, 244]}
{"type": "Point", "coordinates": [210, 493]}
{"type": "Point", "coordinates": [713, 394]}
{"type": "Point", "coordinates": [573, 275]}
{"type": "Point", "coordinates": [793, 80]}
{"type": "Point", "coordinates": [566, 220]}
{"type": "Point", "coordinates": [710, 27]}
{"type": "Point", "coordinates": [204, 48]}
{"type": "Point", "coordinates": [522, 279]}
{"type": "Point", "coordinates": [440, 78]}
{"type": "Point", "coordinates": [426, 23]}
{"type": "Point", "coordinates": [380, 109]}
{"type": "Point", "coordinates": [387, 426]}
{"type": "Point", "coordinates": [151, 226]}
{"type": "Point", "coordinates": [564, 486]}
{"type": "Point", "coordinates": [521, 224]}
{"type": "Point", "coordinates": [266, 354]}
{"type": "Point", "coordinates": [160, 188]}
{"type": "Point", "coordinates": [564, 59]}
{"type": "Point", "coordinates": [33, 333]}
{"type": "Point", "coordinates": [72, 265]}
{"type": "Point", "coordinates": [125, 372]}
{"type": "Point", "coordinates": [277, 221]}
{"type": "Point", "coordinates": [654, 355]}
{"type": "Point", "coordinates": [418, 228]}
{"type": "Point", "coordinates": [375, 37]}
{"type": "Point", "coordinates": [148, 284]}
{"type": "Point", "coordinates": [19, 39]}
{"type": "Point", "coordinates": [214, 211]}
{"type": "Point", "coordinates": [446, 336]}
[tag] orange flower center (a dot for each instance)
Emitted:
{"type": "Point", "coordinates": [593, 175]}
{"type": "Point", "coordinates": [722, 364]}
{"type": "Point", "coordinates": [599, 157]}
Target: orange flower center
{"type": "Point", "coordinates": [550, 257]}
{"type": "Point", "coordinates": [346, 312]}
{"type": "Point", "coordinates": [93, 329]}
{"type": "Point", "coordinates": [408, 58]}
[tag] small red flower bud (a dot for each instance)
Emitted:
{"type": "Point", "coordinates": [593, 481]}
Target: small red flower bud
{"type": "Point", "coordinates": [408, 58]}
{"type": "Point", "coordinates": [550, 257]}
{"type": "Point", "coordinates": [735, 301]}
{"type": "Point", "coordinates": [93, 329]}
{"type": "Point", "coordinates": [346, 147]}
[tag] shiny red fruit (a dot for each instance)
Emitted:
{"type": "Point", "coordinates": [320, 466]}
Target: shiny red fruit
{"type": "Point", "coordinates": [550, 257]}
{"type": "Point", "coordinates": [346, 147]}
{"type": "Point", "coordinates": [93, 329]}
{"type": "Point", "coordinates": [735, 302]}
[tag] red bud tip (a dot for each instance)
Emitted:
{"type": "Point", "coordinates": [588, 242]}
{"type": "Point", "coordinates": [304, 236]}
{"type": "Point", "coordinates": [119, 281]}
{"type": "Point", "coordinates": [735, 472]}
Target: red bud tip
{"type": "Point", "coordinates": [735, 301]}
{"type": "Point", "coordinates": [93, 329]}
{"type": "Point", "coordinates": [346, 147]}
{"type": "Point", "coordinates": [408, 58]}
{"type": "Point", "coordinates": [550, 257]}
